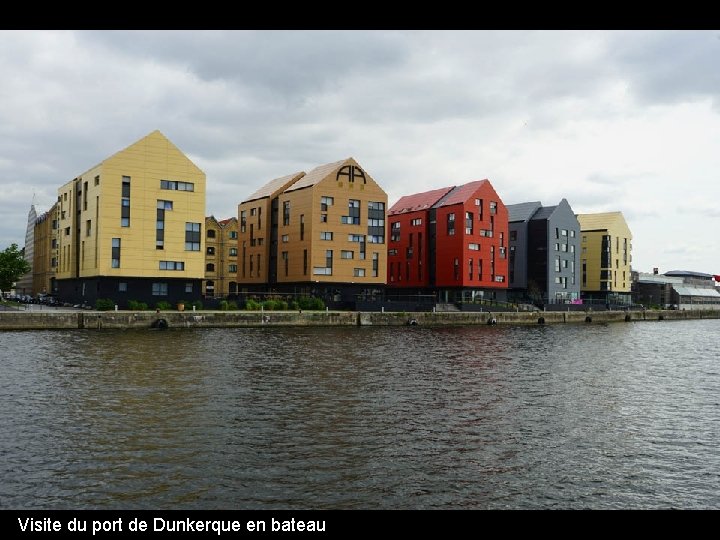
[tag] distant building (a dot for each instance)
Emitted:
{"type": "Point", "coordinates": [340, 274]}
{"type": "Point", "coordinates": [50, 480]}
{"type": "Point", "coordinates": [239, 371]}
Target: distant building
{"type": "Point", "coordinates": [221, 257]}
{"type": "Point", "coordinates": [605, 258]}
{"type": "Point", "coordinates": [24, 285]}
{"type": "Point", "coordinates": [450, 242]}
{"type": "Point", "coordinates": [321, 233]}
{"type": "Point", "coordinates": [544, 248]}
{"type": "Point", "coordinates": [45, 252]}
{"type": "Point", "coordinates": [131, 228]}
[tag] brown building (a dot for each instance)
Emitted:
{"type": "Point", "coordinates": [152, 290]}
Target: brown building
{"type": "Point", "coordinates": [221, 257]}
{"type": "Point", "coordinates": [322, 233]}
{"type": "Point", "coordinates": [45, 254]}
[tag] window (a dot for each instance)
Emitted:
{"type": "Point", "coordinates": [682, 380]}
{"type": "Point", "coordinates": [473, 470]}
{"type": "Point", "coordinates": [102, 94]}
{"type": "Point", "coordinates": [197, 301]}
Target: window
{"type": "Point", "coordinates": [305, 262]}
{"type": "Point", "coordinates": [356, 238]}
{"type": "Point", "coordinates": [323, 218]}
{"type": "Point", "coordinates": [192, 236]}
{"type": "Point", "coordinates": [159, 289]}
{"type": "Point", "coordinates": [395, 231]}
{"type": "Point", "coordinates": [563, 247]}
{"type": "Point", "coordinates": [584, 238]}
{"type": "Point", "coordinates": [451, 224]}
{"type": "Point", "coordinates": [477, 202]}
{"type": "Point", "coordinates": [243, 220]}
{"type": "Point", "coordinates": [493, 207]}
{"type": "Point", "coordinates": [353, 217]}
{"type": "Point", "coordinates": [557, 247]}
{"type": "Point", "coordinates": [168, 205]}
{"type": "Point", "coordinates": [188, 287]}
{"type": "Point", "coordinates": [253, 211]}
{"type": "Point", "coordinates": [557, 264]}
{"type": "Point", "coordinates": [286, 212]}
{"type": "Point", "coordinates": [474, 247]}
{"type": "Point", "coordinates": [345, 254]}
{"type": "Point", "coordinates": [172, 265]}
{"type": "Point", "coordinates": [302, 227]}
{"type": "Point", "coordinates": [470, 268]}
{"type": "Point", "coordinates": [325, 202]}
{"type": "Point", "coordinates": [285, 238]}
{"type": "Point", "coordinates": [572, 248]}
{"type": "Point", "coordinates": [209, 286]}
{"type": "Point", "coordinates": [233, 235]}
{"type": "Point", "coordinates": [513, 236]}
{"type": "Point", "coordinates": [468, 223]}
{"type": "Point", "coordinates": [392, 252]}
{"type": "Point", "coordinates": [416, 221]}
{"type": "Point", "coordinates": [177, 186]}
{"type": "Point", "coordinates": [322, 271]}
{"type": "Point", "coordinates": [358, 272]}
{"type": "Point", "coordinates": [326, 235]}
{"type": "Point", "coordinates": [115, 253]}
{"type": "Point", "coordinates": [88, 227]}
{"type": "Point", "coordinates": [160, 225]}
{"type": "Point", "coordinates": [565, 263]}
{"type": "Point", "coordinates": [67, 231]}
{"type": "Point", "coordinates": [211, 233]}
{"type": "Point", "coordinates": [122, 286]}
{"type": "Point", "coordinates": [456, 269]}
{"type": "Point", "coordinates": [97, 180]}
{"type": "Point", "coordinates": [572, 233]}
{"type": "Point", "coordinates": [376, 221]}
{"type": "Point", "coordinates": [210, 250]}
{"type": "Point", "coordinates": [502, 252]}
{"type": "Point", "coordinates": [563, 232]}
{"type": "Point", "coordinates": [232, 268]}
{"type": "Point", "coordinates": [209, 267]}
{"type": "Point", "coordinates": [233, 252]}
{"type": "Point", "coordinates": [125, 202]}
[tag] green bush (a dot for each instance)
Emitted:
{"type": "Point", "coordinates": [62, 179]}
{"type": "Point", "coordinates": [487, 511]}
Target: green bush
{"type": "Point", "coordinates": [232, 305]}
{"type": "Point", "coordinates": [269, 305]}
{"type": "Point", "coordinates": [294, 305]}
{"type": "Point", "coordinates": [223, 305]}
{"type": "Point", "coordinates": [104, 304]}
{"type": "Point", "coordinates": [163, 305]}
{"type": "Point", "coordinates": [311, 303]}
{"type": "Point", "coordinates": [134, 305]}
{"type": "Point", "coordinates": [197, 304]}
{"type": "Point", "coordinates": [252, 305]}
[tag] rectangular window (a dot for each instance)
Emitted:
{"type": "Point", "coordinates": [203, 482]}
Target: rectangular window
{"type": "Point", "coordinates": [233, 235]}
{"type": "Point", "coordinates": [285, 260]}
{"type": "Point", "coordinates": [513, 236]}
{"type": "Point", "coordinates": [115, 253]}
{"type": "Point", "coordinates": [328, 258]}
{"type": "Point", "coordinates": [233, 252]}
{"type": "Point", "coordinates": [125, 202]}
{"type": "Point", "coordinates": [122, 286]}
{"type": "Point", "coordinates": [172, 265]}
{"type": "Point", "coordinates": [285, 238]}
{"type": "Point", "coordinates": [305, 262]}
{"type": "Point", "coordinates": [210, 250]}
{"type": "Point", "coordinates": [177, 186]}
{"type": "Point", "coordinates": [353, 217]}
{"type": "Point", "coordinates": [324, 235]}
{"type": "Point", "coordinates": [493, 208]}
{"type": "Point", "coordinates": [345, 254]}
{"type": "Point", "coordinates": [468, 223]}
{"type": "Point", "coordinates": [243, 220]}
{"type": "Point", "coordinates": [286, 212]}
{"type": "Point", "coordinates": [192, 236]}
{"type": "Point", "coordinates": [470, 269]}
{"type": "Point", "coordinates": [323, 218]}
{"type": "Point", "coordinates": [451, 224]}
{"type": "Point", "coordinates": [557, 232]}
{"type": "Point", "coordinates": [302, 227]}
{"type": "Point", "coordinates": [97, 180]}
{"type": "Point", "coordinates": [159, 289]}
{"type": "Point", "coordinates": [416, 221]}
{"type": "Point", "coordinates": [375, 264]}
{"type": "Point", "coordinates": [557, 264]}
{"type": "Point", "coordinates": [164, 205]}
{"type": "Point", "coordinates": [572, 233]}
{"type": "Point", "coordinates": [322, 271]}
{"type": "Point", "coordinates": [88, 227]}
{"type": "Point", "coordinates": [395, 231]}
{"type": "Point", "coordinates": [358, 272]}
{"type": "Point", "coordinates": [325, 202]}
{"type": "Point", "coordinates": [563, 232]}
{"type": "Point", "coordinates": [189, 287]}
{"type": "Point", "coordinates": [232, 268]}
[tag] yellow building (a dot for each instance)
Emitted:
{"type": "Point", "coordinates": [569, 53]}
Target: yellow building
{"type": "Point", "coordinates": [322, 233]}
{"type": "Point", "coordinates": [130, 228]}
{"type": "Point", "coordinates": [605, 257]}
{"type": "Point", "coordinates": [221, 257]}
{"type": "Point", "coordinates": [45, 253]}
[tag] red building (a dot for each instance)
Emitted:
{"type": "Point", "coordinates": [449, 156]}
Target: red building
{"type": "Point", "coordinates": [451, 242]}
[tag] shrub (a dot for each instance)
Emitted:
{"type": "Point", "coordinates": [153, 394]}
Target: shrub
{"type": "Point", "coordinates": [232, 305]}
{"type": "Point", "coordinates": [223, 305]}
{"type": "Point", "coordinates": [252, 305]}
{"type": "Point", "coordinates": [163, 305]}
{"type": "Point", "coordinates": [104, 304]}
{"type": "Point", "coordinates": [294, 305]}
{"type": "Point", "coordinates": [311, 303]}
{"type": "Point", "coordinates": [197, 304]}
{"type": "Point", "coordinates": [134, 305]}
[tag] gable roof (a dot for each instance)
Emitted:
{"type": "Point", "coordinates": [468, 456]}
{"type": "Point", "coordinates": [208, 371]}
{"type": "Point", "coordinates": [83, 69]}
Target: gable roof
{"type": "Point", "coordinates": [418, 201]}
{"type": "Point", "coordinates": [273, 186]}
{"type": "Point", "coordinates": [318, 174]}
{"type": "Point", "coordinates": [600, 221]}
{"type": "Point", "coordinates": [460, 194]}
{"type": "Point", "coordinates": [522, 211]}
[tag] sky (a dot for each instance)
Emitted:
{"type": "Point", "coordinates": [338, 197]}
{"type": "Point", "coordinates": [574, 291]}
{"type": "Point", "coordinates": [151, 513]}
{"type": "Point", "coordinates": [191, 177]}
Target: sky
{"type": "Point", "coordinates": [610, 120]}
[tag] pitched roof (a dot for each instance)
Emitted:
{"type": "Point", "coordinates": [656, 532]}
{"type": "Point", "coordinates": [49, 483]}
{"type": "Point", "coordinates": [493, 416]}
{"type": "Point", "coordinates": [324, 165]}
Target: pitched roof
{"type": "Point", "coordinates": [317, 175]}
{"type": "Point", "coordinates": [274, 186]}
{"type": "Point", "coordinates": [522, 211]}
{"type": "Point", "coordinates": [544, 212]}
{"type": "Point", "coordinates": [418, 201]}
{"type": "Point", "coordinates": [460, 194]}
{"type": "Point", "coordinates": [599, 221]}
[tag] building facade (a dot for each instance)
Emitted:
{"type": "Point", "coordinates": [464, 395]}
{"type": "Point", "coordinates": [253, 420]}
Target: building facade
{"type": "Point", "coordinates": [544, 250]}
{"type": "Point", "coordinates": [450, 242]}
{"type": "Point", "coordinates": [321, 233]}
{"type": "Point", "coordinates": [45, 252]}
{"type": "Point", "coordinates": [605, 258]}
{"type": "Point", "coordinates": [221, 257]}
{"type": "Point", "coordinates": [24, 285]}
{"type": "Point", "coordinates": [130, 228]}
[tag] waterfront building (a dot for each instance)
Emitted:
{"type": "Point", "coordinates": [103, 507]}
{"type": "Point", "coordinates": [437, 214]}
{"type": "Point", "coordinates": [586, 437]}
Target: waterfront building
{"type": "Point", "coordinates": [221, 257]}
{"type": "Point", "coordinates": [449, 242]}
{"type": "Point", "coordinates": [131, 228]}
{"type": "Point", "coordinates": [605, 258]}
{"type": "Point", "coordinates": [24, 285]}
{"type": "Point", "coordinates": [544, 244]}
{"type": "Point", "coordinates": [45, 252]}
{"type": "Point", "coordinates": [321, 234]}
{"type": "Point", "coordinates": [677, 289]}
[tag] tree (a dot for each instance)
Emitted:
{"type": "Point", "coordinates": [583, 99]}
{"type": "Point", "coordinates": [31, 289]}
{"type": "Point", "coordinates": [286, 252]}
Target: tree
{"type": "Point", "coordinates": [12, 267]}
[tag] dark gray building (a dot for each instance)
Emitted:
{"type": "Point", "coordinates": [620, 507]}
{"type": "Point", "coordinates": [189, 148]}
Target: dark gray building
{"type": "Point", "coordinates": [544, 247]}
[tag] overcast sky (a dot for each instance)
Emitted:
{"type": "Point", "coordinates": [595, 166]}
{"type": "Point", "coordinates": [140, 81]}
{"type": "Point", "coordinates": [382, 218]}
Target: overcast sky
{"type": "Point", "coordinates": [621, 120]}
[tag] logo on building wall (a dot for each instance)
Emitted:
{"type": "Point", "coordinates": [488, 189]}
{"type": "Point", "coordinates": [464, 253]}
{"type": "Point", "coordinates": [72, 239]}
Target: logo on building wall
{"type": "Point", "coordinates": [352, 172]}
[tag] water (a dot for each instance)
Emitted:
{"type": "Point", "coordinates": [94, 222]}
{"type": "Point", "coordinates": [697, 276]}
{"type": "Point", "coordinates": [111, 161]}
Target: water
{"type": "Point", "coordinates": [566, 416]}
